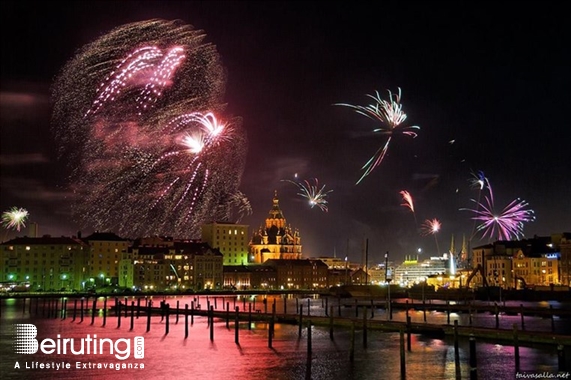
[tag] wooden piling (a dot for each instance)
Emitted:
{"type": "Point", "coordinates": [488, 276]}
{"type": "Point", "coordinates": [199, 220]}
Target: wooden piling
{"type": "Point", "coordinates": [237, 326]}
{"type": "Point", "coordinates": [132, 315]}
{"type": "Point", "coordinates": [300, 320]}
{"type": "Point", "coordinates": [185, 321]}
{"type": "Point", "coordinates": [81, 320]}
{"type": "Point", "coordinates": [104, 311]}
{"type": "Point", "coordinates": [177, 312]}
{"type": "Point", "coordinates": [249, 316]}
{"type": "Point", "coordinates": [63, 310]}
{"type": "Point", "coordinates": [408, 334]}
{"type": "Point", "coordinates": [447, 312]}
{"type": "Point", "coordinates": [191, 313]}
{"type": "Point", "coordinates": [57, 304]}
{"type": "Point", "coordinates": [93, 310]}
{"type": "Point", "coordinates": [331, 324]}
{"type": "Point", "coordinates": [167, 315]}
{"type": "Point", "coordinates": [372, 309]}
{"type": "Point", "coordinates": [138, 307]}
{"type": "Point", "coordinates": [74, 309]}
{"type": "Point", "coordinates": [119, 313]}
{"type": "Point", "coordinates": [149, 305]}
{"type": "Point", "coordinates": [211, 317]}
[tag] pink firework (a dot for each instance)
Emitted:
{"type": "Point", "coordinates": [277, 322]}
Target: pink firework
{"type": "Point", "coordinates": [148, 65]}
{"type": "Point", "coordinates": [408, 202]}
{"type": "Point", "coordinates": [407, 199]}
{"type": "Point", "coordinates": [137, 117]}
{"type": "Point", "coordinates": [431, 227]}
{"type": "Point", "coordinates": [391, 116]}
{"type": "Point", "coordinates": [505, 225]}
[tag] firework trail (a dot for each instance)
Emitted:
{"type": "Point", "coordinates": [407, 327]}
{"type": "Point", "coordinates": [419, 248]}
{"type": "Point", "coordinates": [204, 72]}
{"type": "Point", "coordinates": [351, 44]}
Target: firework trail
{"type": "Point", "coordinates": [477, 181]}
{"type": "Point", "coordinates": [15, 218]}
{"type": "Point", "coordinates": [408, 202]}
{"type": "Point", "coordinates": [391, 116]}
{"type": "Point", "coordinates": [505, 225]}
{"type": "Point", "coordinates": [138, 115]}
{"type": "Point", "coordinates": [431, 227]}
{"type": "Point", "coordinates": [313, 193]}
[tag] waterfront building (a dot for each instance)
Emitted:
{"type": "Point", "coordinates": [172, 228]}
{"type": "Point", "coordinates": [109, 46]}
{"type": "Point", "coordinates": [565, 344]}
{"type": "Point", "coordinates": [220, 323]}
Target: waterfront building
{"type": "Point", "coordinates": [275, 240]}
{"type": "Point", "coordinates": [106, 249]}
{"type": "Point", "coordinates": [411, 271]}
{"type": "Point", "coordinates": [237, 277]}
{"type": "Point", "coordinates": [176, 265]}
{"type": "Point", "coordinates": [565, 263]}
{"type": "Point", "coordinates": [44, 263]}
{"type": "Point", "coordinates": [299, 274]}
{"type": "Point", "coordinates": [230, 239]}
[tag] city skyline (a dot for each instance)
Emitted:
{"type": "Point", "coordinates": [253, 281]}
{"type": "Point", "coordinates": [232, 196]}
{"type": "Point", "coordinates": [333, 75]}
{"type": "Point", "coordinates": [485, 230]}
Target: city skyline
{"type": "Point", "coordinates": [487, 89]}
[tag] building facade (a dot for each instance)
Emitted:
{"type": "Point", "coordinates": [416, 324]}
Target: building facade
{"type": "Point", "coordinates": [275, 240]}
{"type": "Point", "coordinates": [45, 263]}
{"type": "Point", "coordinates": [106, 250]}
{"type": "Point", "coordinates": [230, 239]}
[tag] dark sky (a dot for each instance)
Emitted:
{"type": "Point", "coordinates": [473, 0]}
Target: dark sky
{"type": "Point", "coordinates": [489, 88]}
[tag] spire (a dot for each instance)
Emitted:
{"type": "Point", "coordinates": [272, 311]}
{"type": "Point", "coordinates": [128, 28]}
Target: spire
{"type": "Point", "coordinates": [275, 216]}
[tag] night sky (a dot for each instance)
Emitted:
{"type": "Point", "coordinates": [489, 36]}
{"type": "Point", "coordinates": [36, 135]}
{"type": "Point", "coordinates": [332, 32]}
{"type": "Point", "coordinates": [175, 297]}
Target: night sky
{"type": "Point", "coordinates": [490, 89]}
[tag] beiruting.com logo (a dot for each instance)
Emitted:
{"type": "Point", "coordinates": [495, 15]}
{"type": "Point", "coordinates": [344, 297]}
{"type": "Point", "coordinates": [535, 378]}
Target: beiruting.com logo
{"type": "Point", "coordinates": [25, 342]}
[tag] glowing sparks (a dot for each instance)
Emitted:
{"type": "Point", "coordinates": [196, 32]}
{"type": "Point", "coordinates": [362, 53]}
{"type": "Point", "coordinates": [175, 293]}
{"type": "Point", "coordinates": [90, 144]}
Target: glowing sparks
{"type": "Point", "coordinates": [137, 117]}
{"type": "Point", "coordinates": [407, 199]}
{"type": "Point", "coordinates": [431, 227]}
{"type": "Point", "coordinates": [478, 180]}
{"type": "Point", "coordinates": [15, 218]}
{"type": "Point", "coordinates": [314, 194]}
{"type": "Point", "coordinates": [505, 225]}
{"type": "Point", "coordinates": [391, 116]}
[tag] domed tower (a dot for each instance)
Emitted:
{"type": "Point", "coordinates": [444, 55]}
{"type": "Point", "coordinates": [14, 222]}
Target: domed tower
{"type": "Point", "coordinates": [275, 239]}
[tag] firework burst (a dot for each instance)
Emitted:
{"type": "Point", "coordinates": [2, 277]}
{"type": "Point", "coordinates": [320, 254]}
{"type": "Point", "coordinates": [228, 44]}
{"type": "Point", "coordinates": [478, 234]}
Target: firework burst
{"type": "Point", "coordinates": [431, 227]}
{"type": "Point", "coordinates": [15, 218]}
{"type": "Point", "coordinates": [504, 225]}
{"type": "Point", "coordinates": [408, 202]}
{"type": "Point", "coordinates": [314, 194]}
{"type": "Point", "coordinates": [138, 116]}
{"type": "Point", "coordinates": [391, 116]}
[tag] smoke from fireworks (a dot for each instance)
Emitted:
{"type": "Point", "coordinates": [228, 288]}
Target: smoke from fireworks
{"type": "Point", "coordinates": [15, 218]}
{"type": "Point", "coordinates": [391, 116]}
{"type": "Point", "coordinates": [138, 115]}
{"type": "Point", "coordinates": [505, 225]}
{"type": "Point", "coordinates": [313, 193]}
